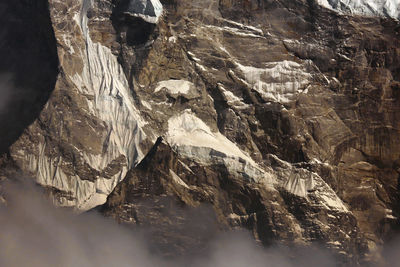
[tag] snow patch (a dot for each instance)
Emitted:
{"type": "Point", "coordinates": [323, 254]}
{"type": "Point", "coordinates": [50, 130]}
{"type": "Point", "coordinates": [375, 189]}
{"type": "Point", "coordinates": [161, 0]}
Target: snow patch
{"type": "Point", "coordinates": [178, 179]}
{"type": "Point", "coordinates": [242, 26]}
{"type": "Point", "coordinates": [174, 86]}
{"type": "Point", "coordinates": [303, 183]}
{"type": "Point", "coordinates": [172, 39]}
{"type": "Point", "coordinates": [146, 105]}
{"type": "Point", "coordinates": [187, 129]}
{"type": "Point", "coordinates": [186, 167]}
{"type": "Point", "coordinates": [192, 138]}
{"type": "Point", "coordinates": [333, 201]}
{"type": "Point", "coordinates": [278, 81]}
{"type": "Point", "coordinates": [388, 8]}
{"type": "Point", "coordinates": [299, 183]}
{"type": "Point", "coordinates": [245, 32]}
{"type": "Point", "coordinates": [231, 98]}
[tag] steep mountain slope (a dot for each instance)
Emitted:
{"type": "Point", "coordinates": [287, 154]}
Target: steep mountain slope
{"type": "Point", "coordinates": [282, 116]}
{"type": "Point", "coordinates": [158, 192]}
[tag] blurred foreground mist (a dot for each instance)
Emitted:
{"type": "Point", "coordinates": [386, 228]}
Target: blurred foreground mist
{"type": "Point", "coordinates": [35, 233]}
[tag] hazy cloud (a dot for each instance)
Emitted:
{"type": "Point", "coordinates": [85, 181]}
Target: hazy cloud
{"type": "Point", "coordinates": [34, 233]}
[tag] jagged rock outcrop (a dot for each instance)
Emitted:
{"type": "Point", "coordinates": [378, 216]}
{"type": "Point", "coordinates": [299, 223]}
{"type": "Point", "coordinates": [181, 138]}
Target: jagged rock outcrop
{"type": "Point", "coordinates": [170, 194]}
{"type": "Point", "coordinates": [281, 116]}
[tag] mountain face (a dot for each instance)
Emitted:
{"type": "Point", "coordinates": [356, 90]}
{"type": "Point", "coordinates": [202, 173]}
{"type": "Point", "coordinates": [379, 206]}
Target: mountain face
{"type": "Point", "coordinates": [278, 116]}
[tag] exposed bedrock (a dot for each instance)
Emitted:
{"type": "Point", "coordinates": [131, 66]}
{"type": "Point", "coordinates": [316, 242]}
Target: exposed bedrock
{"type": "Point", "coordinates": [280, 116]}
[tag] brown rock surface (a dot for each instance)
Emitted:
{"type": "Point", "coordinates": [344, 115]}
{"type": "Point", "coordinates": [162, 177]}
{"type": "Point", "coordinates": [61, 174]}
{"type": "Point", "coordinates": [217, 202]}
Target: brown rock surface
{"type": "Point", "coordinates": [280, 116]}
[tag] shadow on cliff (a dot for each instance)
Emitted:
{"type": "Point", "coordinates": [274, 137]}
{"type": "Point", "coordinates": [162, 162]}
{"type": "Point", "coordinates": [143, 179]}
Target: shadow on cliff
{"type": "Point", "coordinates": [28, 65]}
{"type": "Point", "coordinates": [134, 35]}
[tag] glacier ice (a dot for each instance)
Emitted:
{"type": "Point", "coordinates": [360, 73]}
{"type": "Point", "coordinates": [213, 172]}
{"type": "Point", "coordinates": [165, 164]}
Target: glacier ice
{"type": "Point", "coordinates": [103, 78]}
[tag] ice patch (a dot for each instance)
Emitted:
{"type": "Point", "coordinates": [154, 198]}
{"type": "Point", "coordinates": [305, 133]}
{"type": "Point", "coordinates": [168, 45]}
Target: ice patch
{"type": "Point", "coordinates": [332, 201]}
{"type": "Point", "coordinates": [389, 215]}
{"type": "Point", "coordinates": [299, 183]}
{"type": "Point", "coordinates": [389, 8]}
{"type": "Point", "coordinates": [187, 129]}
{"type": "Point", "coordinates": [192, 138]}
{"type": "Point", "coordinates": [278, 81]}
{"type": "Point", "coordinates": [201, 67]}
{"type": "Point", "coordinates": [172, 39]}
{"type": "Point", "coordinates": [174, 86]}
{"type": "Point", "coordinates": [231, 98]}
{"type": "Point", "coordinates": [242, 26]}
{"type": "Point", "coordinates": [178, 179]}
{"type": "Point", "coordinates": [245, 32]}
{"type": "Point", "coordinates": [304, 183]}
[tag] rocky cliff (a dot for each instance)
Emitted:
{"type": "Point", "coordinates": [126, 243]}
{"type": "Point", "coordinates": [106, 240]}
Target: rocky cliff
{"type": "Point", "coordinates": [281, 117]}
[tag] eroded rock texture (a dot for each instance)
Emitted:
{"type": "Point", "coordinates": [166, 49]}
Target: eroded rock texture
{"type": "Point", "coordinates": [279, 116]}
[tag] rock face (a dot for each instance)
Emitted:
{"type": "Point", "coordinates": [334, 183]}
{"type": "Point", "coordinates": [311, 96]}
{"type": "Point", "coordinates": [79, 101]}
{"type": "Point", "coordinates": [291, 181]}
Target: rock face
{"type": "Point", "coordinates": [148, 10]}
{"type": "Point", "coordinates": [158, 192]}
{"type": "Point", "coordinates": [278, 116]}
